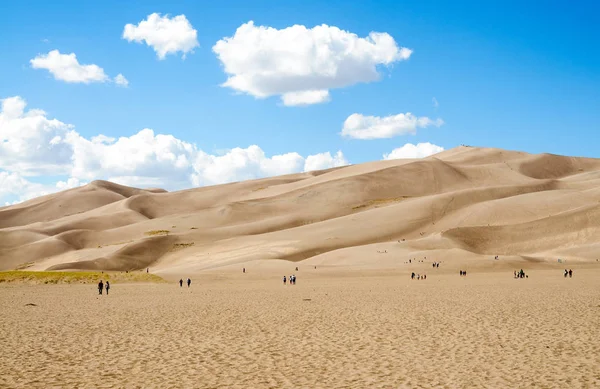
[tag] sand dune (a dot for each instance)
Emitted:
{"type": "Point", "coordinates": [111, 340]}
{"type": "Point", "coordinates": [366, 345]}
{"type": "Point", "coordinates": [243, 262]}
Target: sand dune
{"type": "Point", "coordinates": [480, 202]}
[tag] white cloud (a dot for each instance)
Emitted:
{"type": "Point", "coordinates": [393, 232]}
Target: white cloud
{"type": "Point", "coordinates": [13, 185]}
{"type": "Point", "coordinates": [121, 80]}
{"type": "Point", "coordinates": [410, 151]}
{"type": "Point", "coordinates": [305, 97]}
{"type": "Point", "coordinates": [302, 64]}
{"type": "Point", "coordinates": [165, 35]}
{"type": "Point", "coordinates": [324, 161]}
{"type": "Point", "coordinates": [32, 144]}
{"type": "Point", "coordinates": [435, 103]}
{"type": "Point", "coordinates": [66, 67]}
{"type": "Point", "coordinates": [358, 126]}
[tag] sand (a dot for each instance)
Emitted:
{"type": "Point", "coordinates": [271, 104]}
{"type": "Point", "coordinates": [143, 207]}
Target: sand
{"type": "Point", "coordinates": [357, 320]}
{"type": "Point", "coordinates": [333, 329]}
{"type": "Point", "coordinates": [466, 202]}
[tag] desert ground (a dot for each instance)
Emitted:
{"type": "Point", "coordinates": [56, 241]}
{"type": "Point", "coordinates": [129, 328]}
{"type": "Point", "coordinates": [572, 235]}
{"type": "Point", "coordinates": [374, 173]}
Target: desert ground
{"type": "Point", "coordinates": [333, 329]}
{"type": "Point", "coordinates": [355, 319]}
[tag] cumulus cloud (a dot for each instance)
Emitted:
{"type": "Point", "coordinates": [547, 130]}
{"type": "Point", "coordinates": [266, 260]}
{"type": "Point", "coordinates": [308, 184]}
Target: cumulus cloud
{"type": "Point", "coordinates": [324, 161]}
{"type": "Point", "coordinates": [165, 35]}
{"type": "Point", "coordinates": [13, 185]}
{"type": "Point", "coordinates": [121, 80]}
{"type": "Point", "coordinates": [358, 126]}
{"type": "Point", "coordinates": [411, 151]}
{"type": "Point", "coordinates": [66, 67]}
{"type": "Point", "coordinates": [302, 64]}
{"type": "Point", "coordinates": [34, 145]}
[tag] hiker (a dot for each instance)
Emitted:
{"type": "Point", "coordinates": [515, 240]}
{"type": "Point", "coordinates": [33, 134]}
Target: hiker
{"type": "Point", "coordinates": [570, 273]}
{"type": "Point", "coordinates": [189, 282]}
{"type": "Point", "coordinates": [100, 287]}
{"type": "Point", "coordinates": [566, 273]}
{"type": "Point", "coordinates": [284, 280]}
{"type": "Point", "coordinates": [107, 286]}
{"type": "Point", "coordinates": [180, 282]}
{"type": "Point", "coordinates": [244, 270]}
{"type": "Point", "coordinates": [412, 276]}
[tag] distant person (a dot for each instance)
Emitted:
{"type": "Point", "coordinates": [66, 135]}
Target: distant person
{"type": "Point", "coordinates": [412, 276]}
{"type": "Point", "coordinates": [180, 283]}
{"type": "Point", "coordinates": [107, 286]}
{"type": "Point", "coordinates": [244, 270]}
{"type": "Point", "coordinates": [189, 282]}
{"type": "Point", "coordinates": [147, 269]}
{"type": "Point", "coordinates": [566, 273]}
{"type": "Point", "coordinates": [570, 273]}
{"type": "Point", "coordinates": [296, 268]}
{"type": "Point", "coordinates": [284, 280]}
{"type": "Point", "coordinates": [100, 287]}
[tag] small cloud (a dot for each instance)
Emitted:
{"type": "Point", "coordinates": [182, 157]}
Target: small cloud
{"type": "Point", "coordinates": [358, 126]}
{"type": "Point", "coordinates": [164, 34]}
{"type": "Point", "coordinates": [435, 103]}
{"type": "Point", "coordinates": [411, 151]}
{"type": "Point", "coordinates": [121, 80]}
{"type": "Point", "coordinates": [46, 40]}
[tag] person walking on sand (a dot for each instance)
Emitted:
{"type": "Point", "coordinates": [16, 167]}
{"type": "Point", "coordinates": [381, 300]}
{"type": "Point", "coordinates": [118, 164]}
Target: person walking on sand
{"type": "Point", "coordinates": [570, 273]}
{"type": "Point", "coordinates": [100, 287]}
{"type": "Point", "coordinates": [180, 282]}
{"type": "Point", "coordinates": [189, 282]}
{"type": "Point", "coordinates": [107, 286]}
{"type": "Point", "coordinates": [284, 280]}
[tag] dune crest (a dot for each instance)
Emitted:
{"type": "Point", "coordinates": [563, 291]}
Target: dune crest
{"type": "Point", "coordinates": [475, 201]}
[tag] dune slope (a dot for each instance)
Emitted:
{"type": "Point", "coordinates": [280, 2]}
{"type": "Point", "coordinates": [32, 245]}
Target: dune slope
{"type": "Point", "coordinates": [475, 202]}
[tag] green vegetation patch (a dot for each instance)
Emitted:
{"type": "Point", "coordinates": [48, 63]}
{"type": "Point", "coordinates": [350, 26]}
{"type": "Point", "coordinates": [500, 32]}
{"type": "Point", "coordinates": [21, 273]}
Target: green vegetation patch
{"type": "Point", "coordinates": [157, 232]}
{"type": "Point", "coordinates": [179, 246]}
{"type": "Point", "coordinates": [76, 277]}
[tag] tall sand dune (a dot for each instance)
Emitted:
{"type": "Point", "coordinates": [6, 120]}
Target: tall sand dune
{"type": "Point", "coordinates": [465, 202]}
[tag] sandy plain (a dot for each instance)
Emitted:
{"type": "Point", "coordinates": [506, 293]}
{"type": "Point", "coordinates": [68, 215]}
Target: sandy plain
{"type": "Point", "coordinates": [335, 328]}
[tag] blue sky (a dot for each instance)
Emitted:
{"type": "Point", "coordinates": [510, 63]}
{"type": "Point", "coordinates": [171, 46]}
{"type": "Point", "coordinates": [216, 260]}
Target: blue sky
{"type": "Point", "coordinates": [507, 74]}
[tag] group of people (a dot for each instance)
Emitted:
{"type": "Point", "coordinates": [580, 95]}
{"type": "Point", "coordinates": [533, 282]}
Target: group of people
{"type": "Point", "coordinates": [181, 282]}
{"type": "Point", "coordinates": [463, 272]}
{"type": "Point", "coordinates": [102, 286]}
{"type": "Point", "coordinates": [436, 264]}
{"type": "Point", "coordinates": [520, 274]}
{"type": "Point", "coordinates": [292, 279]}
{"type": "Point", "coordinates": [418, 276]}
{"type": "Point", "coordinates": [568, 273]}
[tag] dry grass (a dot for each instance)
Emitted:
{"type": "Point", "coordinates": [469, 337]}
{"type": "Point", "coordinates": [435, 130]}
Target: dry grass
{"type": "Point", "coordinates": [74, 277]}
{"type": "Point", "coordinates": [180, 246]}
{"type": "Point", "coordinates": [157, 232]}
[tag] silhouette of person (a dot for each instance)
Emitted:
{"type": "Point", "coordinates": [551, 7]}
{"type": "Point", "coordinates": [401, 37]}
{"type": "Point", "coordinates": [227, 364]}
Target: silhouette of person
{"type": "Point", "coordinates": [189, 282]}
{"type": "Point", "coordinates": [180, 283]}
{"type": "Point", "coordinates": [100, 287]}
{"type": "Point", "coordinates": [107, 286]}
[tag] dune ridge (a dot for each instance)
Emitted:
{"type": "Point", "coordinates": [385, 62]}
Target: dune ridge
{"type": "Point", "coordinates": [467, 201]}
